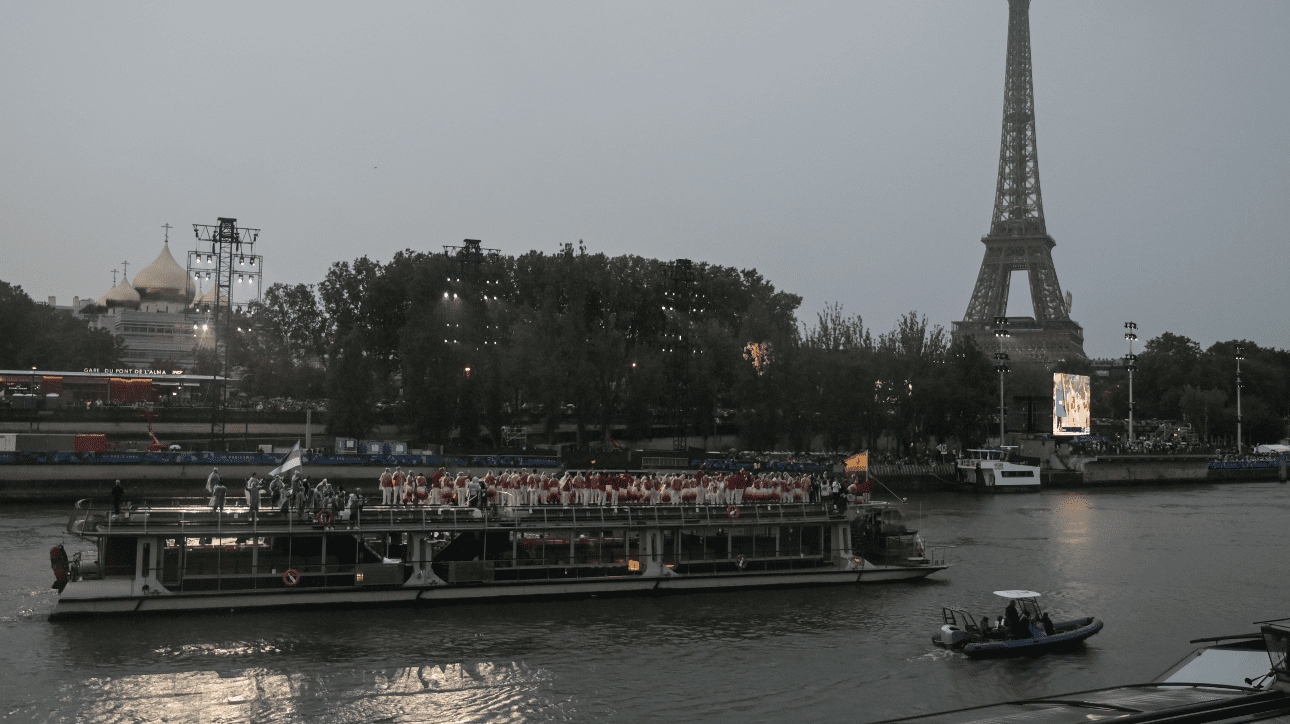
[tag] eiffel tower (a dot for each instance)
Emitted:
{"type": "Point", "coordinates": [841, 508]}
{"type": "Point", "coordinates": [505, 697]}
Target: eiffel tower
{"type": "Point", "coordinates": [1018, 239]}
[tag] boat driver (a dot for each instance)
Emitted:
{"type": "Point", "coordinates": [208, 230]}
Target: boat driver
{"type": "Point", "coordinates": [1011, 619]}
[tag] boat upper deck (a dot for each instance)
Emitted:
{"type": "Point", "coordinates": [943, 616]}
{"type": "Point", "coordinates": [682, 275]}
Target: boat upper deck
{"type": "Point", "coordinates": [192, 518]}
{"type": "Point", "coordinates": [1186, 703]}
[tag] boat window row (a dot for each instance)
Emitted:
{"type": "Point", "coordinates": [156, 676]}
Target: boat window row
{"type": "Point", "coordinates": [263, 562]}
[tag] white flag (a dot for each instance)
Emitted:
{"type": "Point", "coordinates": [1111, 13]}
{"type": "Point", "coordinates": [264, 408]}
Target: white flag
{"type": "Point", "coordinates": [292, 460]}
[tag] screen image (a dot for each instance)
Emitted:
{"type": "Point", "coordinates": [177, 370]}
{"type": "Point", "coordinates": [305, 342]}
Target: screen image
{"type": "Point", "coordinates": [1070, 404]}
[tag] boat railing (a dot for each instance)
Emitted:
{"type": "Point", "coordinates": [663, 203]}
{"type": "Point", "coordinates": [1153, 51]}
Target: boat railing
{"type": "Point", "coordinates": [936, 555]}
{"type": "Point", "coordinates": [194, 513]}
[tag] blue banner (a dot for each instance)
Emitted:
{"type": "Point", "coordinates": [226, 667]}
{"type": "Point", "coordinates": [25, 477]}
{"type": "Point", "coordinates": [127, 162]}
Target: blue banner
{"type": "Point", "coordinates": [1248, 464]}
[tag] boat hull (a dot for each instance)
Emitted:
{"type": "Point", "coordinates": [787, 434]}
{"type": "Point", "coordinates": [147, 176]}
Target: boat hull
{"type": "Point", "coordinates": [1062, 640]}
{"type": "Point", "coordinates": [78, 599]}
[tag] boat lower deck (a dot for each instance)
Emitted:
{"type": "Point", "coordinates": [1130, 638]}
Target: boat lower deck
{"type": "Point", "coordinates": [85, 598]}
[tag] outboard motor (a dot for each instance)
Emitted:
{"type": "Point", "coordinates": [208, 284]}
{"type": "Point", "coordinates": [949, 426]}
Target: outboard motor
{"type": "Point", "coordinates": [952, 637]}
{"type": "Point", "coordinates": [58, 562]}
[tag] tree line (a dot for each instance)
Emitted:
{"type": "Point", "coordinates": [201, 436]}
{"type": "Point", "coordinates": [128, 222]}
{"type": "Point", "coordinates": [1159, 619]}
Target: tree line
{"type": "Point", "coordinates": [453, 347]}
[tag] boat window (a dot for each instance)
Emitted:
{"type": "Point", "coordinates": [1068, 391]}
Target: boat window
{"type": "Point", "coordinates": [147, 559]}
{"type": "Point", "coordinates": [691, 544]}
{"type": "Point", "coordinates": [790, 540]}
{"type": "Point", "coordinates": [117, 556]}
{"type": "Point", "coordinates": [1029, 606]}
{"type": "Point", "coordinates": [670, 547]}
{"type": "Point", "coordinates": [633, 546]}
{"type": "Point", "coordinates": [812, 540]}
{"type": "Point", "coordinates": [743, 542]}
{"type": "Point", "coordinates": [547, 548]}
{"type": "Point", "coordinates": [595, 546]}
{"type": "Point", "coordinates": [705, 544]}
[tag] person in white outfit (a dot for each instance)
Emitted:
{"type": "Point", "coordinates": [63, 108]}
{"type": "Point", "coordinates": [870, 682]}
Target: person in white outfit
{"type": "Point", "coordinates": [387, 488]}
{"type": "Point", "coordinates": [212, 480]}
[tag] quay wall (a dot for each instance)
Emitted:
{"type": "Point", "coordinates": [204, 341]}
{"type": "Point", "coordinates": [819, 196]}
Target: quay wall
{"type": "Point", "coordinates": [1139, 471]}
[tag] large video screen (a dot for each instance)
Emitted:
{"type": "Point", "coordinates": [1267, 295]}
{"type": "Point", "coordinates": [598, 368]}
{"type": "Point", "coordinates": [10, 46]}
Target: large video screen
{"type": "Point", "coordinates": [1070, 404]}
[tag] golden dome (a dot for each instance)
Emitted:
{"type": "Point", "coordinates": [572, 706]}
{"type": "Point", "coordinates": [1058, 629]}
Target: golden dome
{"type": "Point", "coordinates": [163, 278]}
{"type": "Point", "coordinates": [121, 295]}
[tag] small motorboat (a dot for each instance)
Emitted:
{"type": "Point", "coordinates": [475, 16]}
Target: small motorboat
{"type": "Point", "coordinates": [1028, 634]}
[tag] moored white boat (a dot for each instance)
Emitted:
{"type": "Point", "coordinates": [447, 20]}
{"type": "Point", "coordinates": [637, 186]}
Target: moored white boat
{"type": "Point", "coordinates": [997, 470]}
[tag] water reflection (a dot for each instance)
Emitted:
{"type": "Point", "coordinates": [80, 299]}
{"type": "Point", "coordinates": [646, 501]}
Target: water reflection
{"type": "Point", "coordinates": [1070, 518]}
{"type": "Point", "coordinates": [462, 691]}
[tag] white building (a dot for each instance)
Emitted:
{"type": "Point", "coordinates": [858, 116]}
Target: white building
{"type": "Point", "coordinates": [155, 315]}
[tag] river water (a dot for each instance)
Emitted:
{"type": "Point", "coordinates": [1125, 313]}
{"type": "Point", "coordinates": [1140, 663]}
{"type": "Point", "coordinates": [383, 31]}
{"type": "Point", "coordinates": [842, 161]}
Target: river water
{"type": "Point", "coordinates": [1158, 565]}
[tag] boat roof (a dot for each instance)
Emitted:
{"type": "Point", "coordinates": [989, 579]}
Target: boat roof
{"type": "Point", "coordinates": [1017, 594]}
{"type": "Point", "coordinates": [1140, 703]}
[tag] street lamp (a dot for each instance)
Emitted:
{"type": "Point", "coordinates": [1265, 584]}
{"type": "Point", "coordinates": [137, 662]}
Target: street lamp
{"type": "Point", "coordinates": [1001, 366]}
{"type": "Point", "coordinates": [1240, 355]}
{"type": "Point", "coordinates": [31, 422]}
{"type": "Point", "coordinates": [1131, 363]}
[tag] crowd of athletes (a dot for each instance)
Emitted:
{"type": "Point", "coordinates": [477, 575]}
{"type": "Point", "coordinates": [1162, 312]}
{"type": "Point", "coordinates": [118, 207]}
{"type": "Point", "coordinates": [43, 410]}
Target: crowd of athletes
{"type": "Point", "coordinates": [515, 488]}
{"type": "Point", "coordinates": [523, 488]}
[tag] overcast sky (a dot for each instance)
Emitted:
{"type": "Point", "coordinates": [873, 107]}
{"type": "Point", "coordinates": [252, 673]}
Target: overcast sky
{"type": "Point", "coordinates": [847, 151]}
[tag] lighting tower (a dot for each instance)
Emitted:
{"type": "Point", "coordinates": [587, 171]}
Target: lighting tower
{"type": "Point", "coordinates": [1001, 366]}
{"type": "Point", "coordinates": [225, 255]}
{"type": "Point", "coordinates": [1240, 355]}
{"type": "Point", "coordinates": [474, 284]}
{"type": "Point", "coordinates": [1131, 364]}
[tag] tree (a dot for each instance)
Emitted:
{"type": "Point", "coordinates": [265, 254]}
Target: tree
{"type": "Point", "coordinates": [35, 335]}
{"type": "Point", "coordinates": [1166, 365]}
{"type": "Point", "coordinates": [349, 389]}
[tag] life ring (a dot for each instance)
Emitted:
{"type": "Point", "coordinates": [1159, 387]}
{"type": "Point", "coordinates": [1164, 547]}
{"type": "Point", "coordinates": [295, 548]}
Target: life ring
{"type": "Point", "coordinates": [733, 511]}
{"type": "Point", "coordinates": [858, 561]}
{"type": "Point", "coordinates": [325, 517]}
{"type": "Point", "coordinates": [741, 562]}
{"type": "Point", "coordinates": [291, 576]}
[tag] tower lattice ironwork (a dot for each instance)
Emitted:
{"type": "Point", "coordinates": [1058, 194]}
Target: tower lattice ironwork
{"type": "Point", "coordinates": [1018, 238]}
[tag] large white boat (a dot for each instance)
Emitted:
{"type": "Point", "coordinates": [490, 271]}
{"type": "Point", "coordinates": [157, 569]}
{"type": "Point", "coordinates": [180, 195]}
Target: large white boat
{"type": "Point", "coordinates": [997, 470]}
{"type": "Point", "coordinates": [186, 557]}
